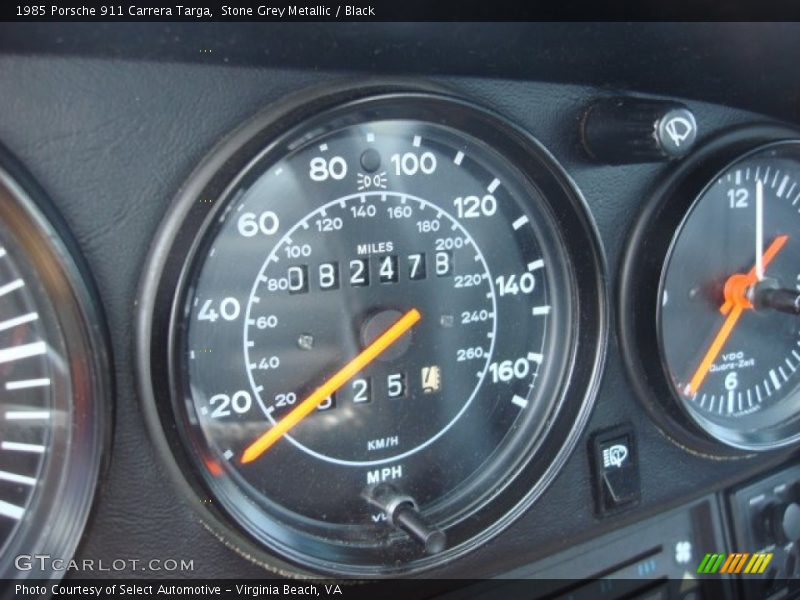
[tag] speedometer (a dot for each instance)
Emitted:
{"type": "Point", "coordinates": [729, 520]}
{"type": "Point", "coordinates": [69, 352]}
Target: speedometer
{"type": "Point", "coordinates": [375, 328]}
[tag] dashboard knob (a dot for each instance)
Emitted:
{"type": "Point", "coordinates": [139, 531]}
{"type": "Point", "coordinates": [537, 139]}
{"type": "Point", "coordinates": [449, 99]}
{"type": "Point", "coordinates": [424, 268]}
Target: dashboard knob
{"type": "Point", "coordinates": [782, 522]}
{"type": "Point", "coordinates": [636, 130]}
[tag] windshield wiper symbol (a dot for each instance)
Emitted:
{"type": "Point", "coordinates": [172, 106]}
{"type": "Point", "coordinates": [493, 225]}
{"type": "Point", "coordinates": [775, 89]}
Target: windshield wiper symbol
{"type": "Point", "coordinates": [679, 130]}
{"type": "Point", "coordinates": [615, 455]}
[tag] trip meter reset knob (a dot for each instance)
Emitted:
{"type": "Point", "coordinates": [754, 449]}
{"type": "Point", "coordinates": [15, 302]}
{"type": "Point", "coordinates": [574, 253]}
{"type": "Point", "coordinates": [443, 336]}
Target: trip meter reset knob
{"type": "Point", "coordinates": [401, 512]}
{"type": "Point", "coordinates": [634, 130]}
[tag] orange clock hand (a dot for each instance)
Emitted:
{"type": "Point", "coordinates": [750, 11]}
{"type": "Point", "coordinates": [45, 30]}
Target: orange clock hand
{"type": "Point", "coordinates": [752, 276]}
{"type": "Point", "coordinates": [714, 349]}
{"type": "Point", "coordinates": [735, 304]}
{"type": "Point", "coordinates": [318, 396]}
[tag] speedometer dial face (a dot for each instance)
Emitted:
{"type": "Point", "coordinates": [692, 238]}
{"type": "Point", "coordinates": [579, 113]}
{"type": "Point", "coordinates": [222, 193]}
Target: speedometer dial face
{"type": "Point", "coordinates": [417, 388]}
{"type": "Point", "coordinates": [729, 320]}
{"type": "Point", "coordinates": [306, 271]}
{"type": "Point", "coordinates": [374, 337]}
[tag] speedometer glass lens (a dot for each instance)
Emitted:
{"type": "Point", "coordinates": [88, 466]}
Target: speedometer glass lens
{"type": "Point", "coordinates": [53, 383]}
{"type": "Point", "coordinates": [346, 266]}
{"type": "Point", "coordinates": [730, 301]}
{"type": "Point", "coordinates": [375, 335]}
{"type": "Point", "coordinates": [34, 381]}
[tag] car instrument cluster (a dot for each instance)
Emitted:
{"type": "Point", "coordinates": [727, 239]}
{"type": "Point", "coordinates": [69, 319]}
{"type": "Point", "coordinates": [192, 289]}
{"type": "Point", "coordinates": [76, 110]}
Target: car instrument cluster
{"type": "Point", "coordinates": [375, 319]}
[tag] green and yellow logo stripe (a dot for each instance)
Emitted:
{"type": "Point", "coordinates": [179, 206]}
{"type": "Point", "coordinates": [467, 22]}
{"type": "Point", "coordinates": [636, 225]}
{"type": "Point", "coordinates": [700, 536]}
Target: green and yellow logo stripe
{"type": "Point", "coordinates": [737, 562]}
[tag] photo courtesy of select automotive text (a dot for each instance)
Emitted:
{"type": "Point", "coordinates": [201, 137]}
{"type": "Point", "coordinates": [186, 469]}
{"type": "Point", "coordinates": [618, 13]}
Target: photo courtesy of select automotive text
{"type": "Point", "coordinates": [305, 301]}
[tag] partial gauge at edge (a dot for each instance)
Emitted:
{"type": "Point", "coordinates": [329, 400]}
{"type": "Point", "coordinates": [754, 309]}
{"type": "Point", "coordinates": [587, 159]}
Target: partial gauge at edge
{"type": "Point", "coordinates": [386, 333]}
{"type": "Point", "coordinates": [724, 334]}
{"type": "Point", "coordinates": [54, 386]}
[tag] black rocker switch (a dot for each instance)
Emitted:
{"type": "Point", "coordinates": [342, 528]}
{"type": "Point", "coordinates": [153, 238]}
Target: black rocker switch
{"type": "Point", "coordinates": [616, 469]}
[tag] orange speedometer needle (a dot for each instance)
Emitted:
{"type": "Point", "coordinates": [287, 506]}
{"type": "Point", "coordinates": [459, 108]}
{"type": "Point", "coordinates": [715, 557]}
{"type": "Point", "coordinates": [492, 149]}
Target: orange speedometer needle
{"type": "Point", "coordinates": [736, 302]}
{"type": "Point", "coordinates": [318, 396]}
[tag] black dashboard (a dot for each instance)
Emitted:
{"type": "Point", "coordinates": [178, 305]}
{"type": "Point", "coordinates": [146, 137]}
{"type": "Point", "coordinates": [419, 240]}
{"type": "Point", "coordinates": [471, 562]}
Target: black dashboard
{"type": "Point", "coordinates": [594, 221]}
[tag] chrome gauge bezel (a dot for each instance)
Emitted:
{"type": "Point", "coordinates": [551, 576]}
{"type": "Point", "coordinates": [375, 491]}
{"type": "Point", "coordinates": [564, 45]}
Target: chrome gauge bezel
{"type": "Point", "coordinates": [77, 451]}
{"type": "Point", "coordinates": [163, 291]}
{"type": "Point", "coordinates": [640, 287]}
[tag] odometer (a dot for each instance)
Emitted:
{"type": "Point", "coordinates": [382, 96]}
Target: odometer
{"type": "Point", "coordinates": [374, 332]}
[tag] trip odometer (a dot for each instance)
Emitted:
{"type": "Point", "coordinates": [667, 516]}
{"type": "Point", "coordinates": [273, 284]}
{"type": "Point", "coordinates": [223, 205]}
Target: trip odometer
{"type": "Point", "coordinates": [375, 329]}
